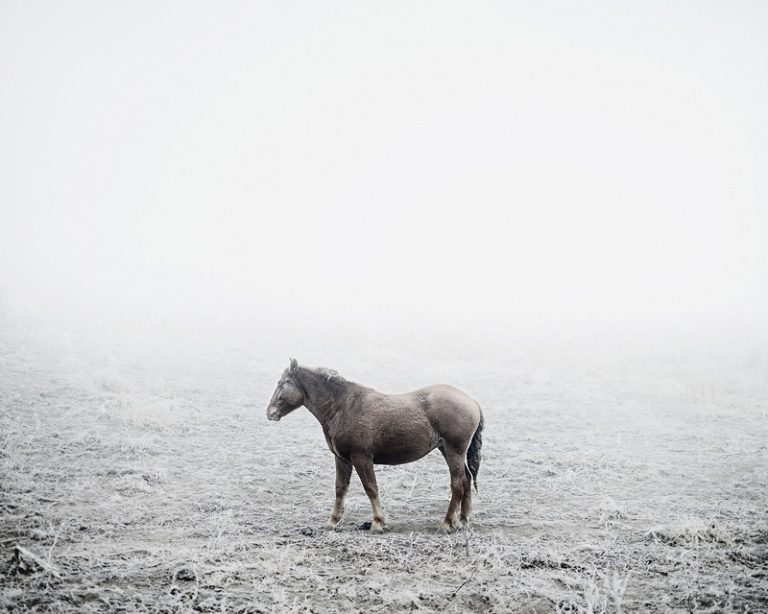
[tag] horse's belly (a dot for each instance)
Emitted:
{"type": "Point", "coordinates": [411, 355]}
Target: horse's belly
{"type": "Point", "coordinates": [395, 458]}
{"type": "Point", "coordinates": [394, 450]}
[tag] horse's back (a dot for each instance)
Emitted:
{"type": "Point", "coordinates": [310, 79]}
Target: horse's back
{"type": "Point", "coordinates": [452, 412]}
{"type": "Point", "coordinates": [448, 396]}
{"type": "Point", "coordinates": [446, 392]}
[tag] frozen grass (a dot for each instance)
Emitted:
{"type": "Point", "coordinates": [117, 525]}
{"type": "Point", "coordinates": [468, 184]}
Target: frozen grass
{"type": "Point", "coordinates": [154, 486]}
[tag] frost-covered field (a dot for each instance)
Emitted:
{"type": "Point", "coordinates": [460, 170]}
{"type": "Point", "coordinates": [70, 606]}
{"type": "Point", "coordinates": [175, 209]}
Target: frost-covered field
{"type": "Point", "coordinates": [143, 481]}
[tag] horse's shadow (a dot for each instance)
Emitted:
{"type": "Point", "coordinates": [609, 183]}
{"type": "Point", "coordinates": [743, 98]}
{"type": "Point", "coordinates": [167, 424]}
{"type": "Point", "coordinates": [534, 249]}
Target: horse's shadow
{"type": "Point", "coordinates": [406, 527]}
{"type": "Point", "coordinates": [428, 526]}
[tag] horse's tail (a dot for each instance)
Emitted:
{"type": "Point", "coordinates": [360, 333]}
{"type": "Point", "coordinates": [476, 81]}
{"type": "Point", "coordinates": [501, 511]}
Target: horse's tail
{"type": "Point", "coordinates": [474, 454]}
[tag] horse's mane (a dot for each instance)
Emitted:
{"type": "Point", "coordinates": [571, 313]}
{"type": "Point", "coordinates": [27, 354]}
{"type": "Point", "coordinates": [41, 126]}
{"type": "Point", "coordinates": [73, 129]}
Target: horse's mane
{"type": "Point", "coordinates": [331, 375]}
{"type": "Point", "coordinates": [330, 378]}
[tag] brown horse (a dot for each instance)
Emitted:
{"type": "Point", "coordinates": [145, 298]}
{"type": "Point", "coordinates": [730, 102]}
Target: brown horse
{"type": "Point", "coordinates": [364, 427]}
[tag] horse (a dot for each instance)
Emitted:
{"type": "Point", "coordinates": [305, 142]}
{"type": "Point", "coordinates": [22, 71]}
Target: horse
{"type": "Point", "coordinates": [363, 428]}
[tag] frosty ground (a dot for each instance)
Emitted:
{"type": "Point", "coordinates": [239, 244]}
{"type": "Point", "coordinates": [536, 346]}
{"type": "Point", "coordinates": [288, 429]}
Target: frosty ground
{"type": "Point", "coordinates": [151, 482]}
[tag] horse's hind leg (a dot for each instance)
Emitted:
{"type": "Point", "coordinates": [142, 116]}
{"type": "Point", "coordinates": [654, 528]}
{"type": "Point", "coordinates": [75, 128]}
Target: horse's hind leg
{"type": "Point", "coordinates": [466, 501]}
{"type": "Point", "coordinates": [343, 473]}
{"type": "Point", "coordinates": [364, 468]}
{"type": "Point", "coordinates": [459, 487]}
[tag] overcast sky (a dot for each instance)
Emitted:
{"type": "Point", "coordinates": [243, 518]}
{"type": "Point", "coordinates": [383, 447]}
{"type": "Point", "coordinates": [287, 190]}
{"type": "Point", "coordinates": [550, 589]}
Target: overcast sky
{"type": "Point", "coordinates": [459, 166]}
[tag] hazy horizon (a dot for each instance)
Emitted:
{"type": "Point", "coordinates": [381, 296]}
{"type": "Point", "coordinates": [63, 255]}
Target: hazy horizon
{"type": "Point", "coordinates": [399, 173]}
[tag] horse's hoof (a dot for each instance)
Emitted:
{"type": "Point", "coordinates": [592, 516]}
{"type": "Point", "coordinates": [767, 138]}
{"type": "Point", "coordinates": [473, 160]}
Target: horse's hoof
{"type": "Point", "coordinates": [377, 527]}
{"type": "Point", "coordinates": [447, 528]}
{"type": "Point", "coordinates": [332, 526]}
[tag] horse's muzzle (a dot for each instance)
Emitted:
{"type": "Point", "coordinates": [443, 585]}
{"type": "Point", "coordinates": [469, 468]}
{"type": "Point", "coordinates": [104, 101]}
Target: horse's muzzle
{"type": "Point", "coordinates": [273, 413]}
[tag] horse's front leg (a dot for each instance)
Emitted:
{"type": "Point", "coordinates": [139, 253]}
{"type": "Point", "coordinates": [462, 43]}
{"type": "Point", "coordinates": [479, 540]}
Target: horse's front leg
{"type": "Point", "coordinates": [364, 467]}
{"type": "Point", "coordinates": [343, 474]}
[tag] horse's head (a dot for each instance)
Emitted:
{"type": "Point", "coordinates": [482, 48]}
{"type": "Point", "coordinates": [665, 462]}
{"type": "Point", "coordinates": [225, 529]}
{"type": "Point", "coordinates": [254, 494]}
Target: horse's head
{"type": "Point", "coordinates": [288, 395]}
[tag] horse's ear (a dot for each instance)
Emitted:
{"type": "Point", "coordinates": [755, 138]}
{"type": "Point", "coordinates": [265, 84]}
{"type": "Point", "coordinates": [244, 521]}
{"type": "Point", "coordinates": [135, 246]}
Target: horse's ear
{"type": "Point", "coordinates": [294, 366]}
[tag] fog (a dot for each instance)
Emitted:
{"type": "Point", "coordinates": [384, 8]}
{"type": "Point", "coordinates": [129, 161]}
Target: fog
{"type": "Point", "coordinates": [560, 209]}
{"type": "Point", "coordinates": [399, 173]}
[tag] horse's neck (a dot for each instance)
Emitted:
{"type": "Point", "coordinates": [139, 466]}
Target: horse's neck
{"type": "Point", "coordinates": [321, 401]}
